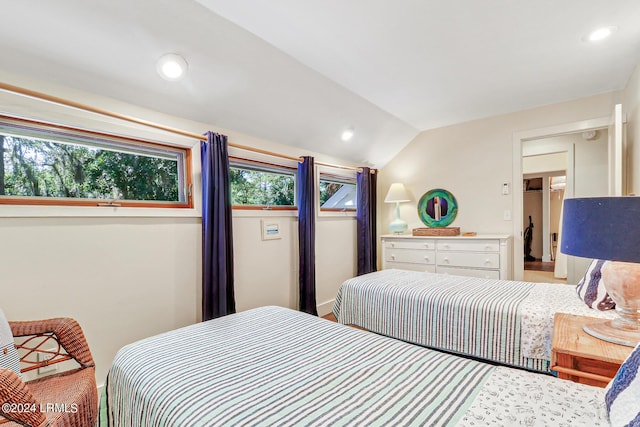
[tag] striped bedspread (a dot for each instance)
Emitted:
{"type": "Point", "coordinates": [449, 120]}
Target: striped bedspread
{"type": "Point", "coordinates": [488, 319]}
{"type": "Point", "coordinates": [274, 366]}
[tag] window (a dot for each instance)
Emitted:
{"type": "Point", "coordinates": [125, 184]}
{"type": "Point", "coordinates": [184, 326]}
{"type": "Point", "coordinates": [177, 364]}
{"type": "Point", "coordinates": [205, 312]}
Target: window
{"type": "Point", "coordinates": [262, 185]}
{"type": "Point", "coordinates": [337, 193]}
{"type": "Point", "coordinates": [54, 164]}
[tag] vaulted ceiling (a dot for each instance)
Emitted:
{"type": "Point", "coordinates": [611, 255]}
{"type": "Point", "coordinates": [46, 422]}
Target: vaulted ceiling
{"type": "Point", "coordinates": [298, 72]}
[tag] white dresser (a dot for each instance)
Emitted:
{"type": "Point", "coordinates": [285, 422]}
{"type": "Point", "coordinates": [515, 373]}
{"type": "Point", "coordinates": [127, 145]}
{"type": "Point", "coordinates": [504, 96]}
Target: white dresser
{"type": "Point", "coordinates": [487, 256]}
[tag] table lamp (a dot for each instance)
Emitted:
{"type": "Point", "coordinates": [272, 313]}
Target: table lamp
{"type": "Point", "coordinates": [397, 194]}
{"type": "Point", "coordinates": [608, 228]}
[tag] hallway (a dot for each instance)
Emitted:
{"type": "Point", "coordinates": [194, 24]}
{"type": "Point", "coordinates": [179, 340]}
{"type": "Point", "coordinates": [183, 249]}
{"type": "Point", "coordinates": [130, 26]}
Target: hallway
{"type": "Point", "coordinates": [540, 272]}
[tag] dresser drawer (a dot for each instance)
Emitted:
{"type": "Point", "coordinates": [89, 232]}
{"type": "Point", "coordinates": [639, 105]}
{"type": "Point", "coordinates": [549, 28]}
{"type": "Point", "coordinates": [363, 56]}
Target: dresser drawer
{"type": "Point", "coordinates": [411, 244]}
{"type": "Point", "coordinates": [469, 246]}
{"type": "Point", "coordinates": [431, 268]}
{"type": "Point", "coordinates": [486, 256]}
{"type": "Point", "coordinates": [410, 256]}
{"type": "Point", "coordinates": [468, 259]}
{"type": "Point", "coordinates": [473, 272]}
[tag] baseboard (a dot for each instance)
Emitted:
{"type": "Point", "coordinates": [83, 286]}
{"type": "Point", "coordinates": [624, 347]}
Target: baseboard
{"type": "Point", "coordinates": [325, 308]}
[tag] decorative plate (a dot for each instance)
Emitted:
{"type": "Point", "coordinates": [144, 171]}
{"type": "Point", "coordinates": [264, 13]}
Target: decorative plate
{"type": "Point", "coordinates": [437, 208]}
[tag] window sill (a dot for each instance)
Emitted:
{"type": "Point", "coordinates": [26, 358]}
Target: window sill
{"type": "Point", "coordinates": [256, 213]}
{"type": "Point", "coordinates": [29, 211]}
{"type": "Point", "coordinates": [336, 213]}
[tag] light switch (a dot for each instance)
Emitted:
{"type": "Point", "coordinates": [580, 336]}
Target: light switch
{"type": "Point", "coordinates": [505, 189]}
{"type": "Point", "coordinates": [507, 215]}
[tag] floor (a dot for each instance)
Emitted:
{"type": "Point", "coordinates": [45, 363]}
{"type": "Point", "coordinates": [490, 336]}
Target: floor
{"type": "Point", "coordinates": [330, 316]}
{"type": "Point", "coordinates": [540, 272]}
{"type": "Point", "coordinates": [539, 265]}
{"type": "Point", "coordinates": [541, 277]}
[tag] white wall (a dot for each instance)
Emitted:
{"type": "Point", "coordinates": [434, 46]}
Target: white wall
{"type": "Point", "coordinates": [556, 199]}
{"type": "Point", "coordinates": [543, 162]}
{"type": "Point", "coordinates": [130, 273]}
{"type": "Point", "coordinates": [472, 160]}
{"type": "Point", "coordinates": [591, 165]}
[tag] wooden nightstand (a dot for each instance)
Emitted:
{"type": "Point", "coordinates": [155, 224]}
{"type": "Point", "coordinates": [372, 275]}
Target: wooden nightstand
{"type": "Point", "coordinates": [579, 357]}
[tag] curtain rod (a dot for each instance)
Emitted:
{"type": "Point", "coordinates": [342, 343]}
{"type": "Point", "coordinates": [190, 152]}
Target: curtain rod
{"type": "Point", "coordinates": [68, 103]}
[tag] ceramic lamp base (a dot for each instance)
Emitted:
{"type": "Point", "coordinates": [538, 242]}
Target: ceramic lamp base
{"type": "Point", "coordinates": [398, 226]}
{"type": "Point", "coordinates": [614, 331]}
{"type": "Point", "coordinates": [622, 282]}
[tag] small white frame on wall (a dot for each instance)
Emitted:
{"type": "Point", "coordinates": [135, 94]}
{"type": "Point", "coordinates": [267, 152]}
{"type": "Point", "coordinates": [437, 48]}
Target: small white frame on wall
{"type": "Point", "coordinates": [270, 229]}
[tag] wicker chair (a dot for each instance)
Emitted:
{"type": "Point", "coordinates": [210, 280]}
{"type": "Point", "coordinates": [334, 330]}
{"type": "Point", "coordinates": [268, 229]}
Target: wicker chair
{"type": "Point", "coordinates": [68, 398]}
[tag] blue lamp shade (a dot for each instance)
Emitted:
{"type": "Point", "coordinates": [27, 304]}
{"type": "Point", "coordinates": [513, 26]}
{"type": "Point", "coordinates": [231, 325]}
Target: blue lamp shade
{"type": "Point", "coordinates": [602, 227]}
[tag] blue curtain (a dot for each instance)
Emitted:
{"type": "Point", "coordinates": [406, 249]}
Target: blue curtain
{"type": "Point", "coordinates": [366, 221]}
{"type": "Point", "coordinates": [307, 236]}
{"type": "Point", "coordinates": [217, 238]}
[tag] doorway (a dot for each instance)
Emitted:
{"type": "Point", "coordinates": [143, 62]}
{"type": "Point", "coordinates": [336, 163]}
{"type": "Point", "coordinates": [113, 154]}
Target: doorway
{"type": "Point", "coordinates": [573, 130]}
{"type": "Point", "coordinates": [543, 195]}
{"type": "Point", "coordinates": [581, 157]}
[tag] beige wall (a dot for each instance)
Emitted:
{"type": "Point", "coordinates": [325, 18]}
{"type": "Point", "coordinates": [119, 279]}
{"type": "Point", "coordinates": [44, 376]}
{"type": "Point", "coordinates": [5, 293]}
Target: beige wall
{"type": "Point", "coordinates": [121, 278]}
{"type": "Point", "coordinates": [267, 270]}
{"type": "Point", "coordinates": [472, 160]}
{"type": "Point", "coordinates": [532, 201]}
{"type": "Point", "coordinates": [631, 106]}
{"type": "Point", "coordinates": [128, 274]}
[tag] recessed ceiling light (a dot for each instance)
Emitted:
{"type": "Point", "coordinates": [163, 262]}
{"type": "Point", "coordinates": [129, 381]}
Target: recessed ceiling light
{"type": "Point", "coordinates": [171, 67]}
{"type": "Point", "coordinates": [601, 33]}
{"type": "Point", "coordinates": [347, 134]}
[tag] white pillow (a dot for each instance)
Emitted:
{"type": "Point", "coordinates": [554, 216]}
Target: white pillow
{"type": "Point", "coordinates": [622, 396]}
{"type": "Point", "coordinates": [8, 354]}
{"type": "Point", "coordinates": [591, 288]}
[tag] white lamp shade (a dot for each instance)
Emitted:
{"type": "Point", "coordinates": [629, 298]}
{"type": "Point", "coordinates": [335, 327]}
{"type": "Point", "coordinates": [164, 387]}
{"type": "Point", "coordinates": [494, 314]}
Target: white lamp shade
{"type": "Point", "coordinates": [397, 193]}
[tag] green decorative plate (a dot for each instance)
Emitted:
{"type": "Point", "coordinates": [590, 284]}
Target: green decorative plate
{"type": "Point", "coordinates": [437, 208]}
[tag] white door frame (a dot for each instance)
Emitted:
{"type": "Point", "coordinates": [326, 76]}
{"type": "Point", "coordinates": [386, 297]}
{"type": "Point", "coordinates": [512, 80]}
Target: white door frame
{"type": "Point", "coordinates": [518, 138]}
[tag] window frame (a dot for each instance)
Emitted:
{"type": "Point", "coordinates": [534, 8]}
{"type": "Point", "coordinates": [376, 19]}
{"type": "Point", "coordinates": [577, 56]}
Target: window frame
{"type": "Point", "coordinates": [321, 174]}
{"type": "Point", "coordinates": [128, 144]}
{"type": "Point", "coordinates": [263, 166]}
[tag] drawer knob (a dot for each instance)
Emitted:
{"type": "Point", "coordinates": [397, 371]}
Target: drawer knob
{"type": "Point", "coordinates": [393, 245]}
{"type": "Point", "coordinates": [446, 260]}
{"type": "Point", "coordinates": [426, 258]}
{"type": "Point", "coordinates": [393, 257]}
{"type": "Point", "coordinates": [487, 262]}
{"type": "Point", "coordinates": [488, 247]}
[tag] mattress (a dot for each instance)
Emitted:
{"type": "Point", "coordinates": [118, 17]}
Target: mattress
{"type": "Point", "coordinates": [272, 366]}
{"type": "Point", "coordinates": [503, 321]}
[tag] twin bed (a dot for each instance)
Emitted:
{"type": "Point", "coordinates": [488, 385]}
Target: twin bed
{"type": "Point", "coordinates": [503, 321]}
{"type": "Point", "coordinates": [273, 366]}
